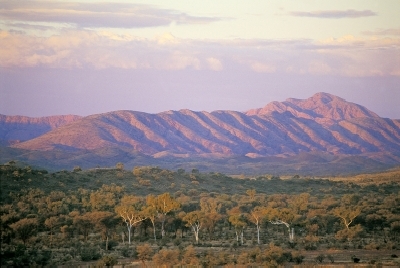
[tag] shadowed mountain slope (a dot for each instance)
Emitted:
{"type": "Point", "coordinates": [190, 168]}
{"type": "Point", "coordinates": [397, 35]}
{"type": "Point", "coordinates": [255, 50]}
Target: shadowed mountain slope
{"type": "Point", "coordinates": [14, 129]}
{"type": "Point", "coordinates": [321, 123]}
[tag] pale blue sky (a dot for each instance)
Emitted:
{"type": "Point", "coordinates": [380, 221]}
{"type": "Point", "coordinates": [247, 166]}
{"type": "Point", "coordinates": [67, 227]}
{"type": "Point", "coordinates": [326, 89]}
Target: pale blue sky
{"type": "Point", "coordinates": [86, 57]}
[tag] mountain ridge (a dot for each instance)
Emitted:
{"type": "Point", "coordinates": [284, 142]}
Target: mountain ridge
{"type": "Point", "coordinates": [17, 128]}
{"type": "Point", "coordinates": [323, 123]}
{"type": "Point", "coordinates": [342, 127]}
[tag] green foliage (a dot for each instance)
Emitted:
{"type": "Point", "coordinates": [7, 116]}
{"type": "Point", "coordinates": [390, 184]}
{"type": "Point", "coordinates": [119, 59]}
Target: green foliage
{"type": "Point", "coordinates": [73, 224]}
{"type": "Point", "coordinates": [111, 244]}
{"type": "Point", "coordinates": [168, 257]}
{"type": "Point", "coordinates": [21, 256]}
{"type": "Point", "coordinates": [89, 253]}
{"type": "Point", "coordinates": [153, 180]}
{"type": "Point", "coordinates": [320, 258]}
{"type": "Point", "coordinates": [108, 261]}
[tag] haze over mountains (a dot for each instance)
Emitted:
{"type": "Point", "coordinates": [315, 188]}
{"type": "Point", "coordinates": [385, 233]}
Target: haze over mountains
{"type": "Point", "coordinates": [324, 127]}
{"type": "Point", "coordinates": [15, 129]}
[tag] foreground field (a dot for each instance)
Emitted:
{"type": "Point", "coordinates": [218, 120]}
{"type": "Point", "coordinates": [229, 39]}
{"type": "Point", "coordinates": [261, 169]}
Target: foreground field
{"type": "Point", "coordinates": [314, 259]}
{"type": "Point", "coordinates": [157, 217]}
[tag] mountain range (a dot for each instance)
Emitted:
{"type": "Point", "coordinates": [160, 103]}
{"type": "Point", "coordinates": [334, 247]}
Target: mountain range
{"type": "Point", "coordinates": [323, 129]}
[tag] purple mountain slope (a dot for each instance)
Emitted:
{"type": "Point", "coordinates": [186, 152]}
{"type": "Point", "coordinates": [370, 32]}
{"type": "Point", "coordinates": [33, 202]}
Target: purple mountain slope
{"type": "Point", "coordinates": [321, 123]}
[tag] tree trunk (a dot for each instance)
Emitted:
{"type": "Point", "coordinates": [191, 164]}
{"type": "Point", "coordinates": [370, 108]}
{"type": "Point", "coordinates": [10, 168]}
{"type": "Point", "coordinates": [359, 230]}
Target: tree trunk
{"type": "Point", "coordinates": [196, 234]}
{"type": "Point", "coordinates": [162, 229]}
{"type": "Point", "coordinates": [129, 233]}
{"type": "Point", "coordinates": [291, 234]}
{"type": "Point", "coordinates": [154, 232]}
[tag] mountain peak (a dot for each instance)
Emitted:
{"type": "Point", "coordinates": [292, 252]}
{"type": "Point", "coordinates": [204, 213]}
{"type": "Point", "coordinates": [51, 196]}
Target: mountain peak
{"type": "Point", "coordinates": [320, 105]}
{"type": "Point", "coordinates": [320, 97]}
{"type": "Point", "coordinates": [325, 97]}
{"type": "Point", "coordinates": [322, 123]}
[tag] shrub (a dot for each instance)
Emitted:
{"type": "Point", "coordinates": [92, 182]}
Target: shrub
{"type": "Point", "coordinates": [167, 257]}
{"type": "Point", "coordinates": [320, 258]}
{"type": "Point", "coordinates": [108, 261]}
{"type": "Point", "coordinates": [144, 252]}
{"type": "Point", "coordinates": [177, 242]}
{"type": "Point", "coordinates": [89, 254]}
{"type": "Point", "coordinates": [297, 257]}
{"type": "Point", "coordinates": [190, 257]}
{"type": "Point", "coordinates": [275, 254]}
{"type": "Point", "coordinates": [128, 252]}
{"type": "Point", "coordinates": [111, 244]}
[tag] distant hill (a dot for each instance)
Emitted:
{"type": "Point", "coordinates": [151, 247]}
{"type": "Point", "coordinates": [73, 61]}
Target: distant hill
{"type": "Point", "coordinates": [321, 129]}
{"type": "Point", "coordinates": [15, 129]}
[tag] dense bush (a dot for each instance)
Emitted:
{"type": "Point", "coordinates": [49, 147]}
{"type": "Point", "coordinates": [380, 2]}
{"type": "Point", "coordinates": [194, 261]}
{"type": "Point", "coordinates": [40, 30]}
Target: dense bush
{"type": "Point", "coordinates": [56, 225]}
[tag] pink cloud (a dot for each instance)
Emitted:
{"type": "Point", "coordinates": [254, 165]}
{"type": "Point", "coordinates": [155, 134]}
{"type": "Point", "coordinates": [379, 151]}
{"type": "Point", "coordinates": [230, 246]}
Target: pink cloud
{"type": "Point", "coordinates": [114, 15]}
{"type": "Point", "coordinates": [334, 14]}
{"type": "Point", "coordinates": [345, 56]}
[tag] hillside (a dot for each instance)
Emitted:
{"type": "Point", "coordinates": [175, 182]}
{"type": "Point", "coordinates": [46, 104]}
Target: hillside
{"type": "Point", "coordinates": [146, 180]}
{"type": "Point", "coordinates": [15, 129]}
{"type": "Point", "coordinates": [324, 127]}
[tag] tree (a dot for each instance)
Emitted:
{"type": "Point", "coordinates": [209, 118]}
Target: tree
{"type": "Point", "coordinates": [349, 233]}
{"type": "Point", "coordinates": [119, 166]}
{"type": "Point", "coordinates": [211, 209]}
{"type": "Point", "coordinates": [52, 223]}
{"type": "Point", "coordinates": [130, 212]}
{"type": "Point", "coordinates": [102, 220]}
{"type": "Point", "coordinates": [150, 213]}
{"type": "Point", "coordinates": [299, 203]}
{"type": "Point", "coordinates": [25, 228]}
{"type": "Point", "coordinates": [346, 214]}
{"type": "Point", "coordinates": [251, 193]}
{"type": "Point", "coordinates": [237, 220]}
{"type": "Point", "coordinates": [286, 217]}
{"type": "Point", "coordinates": [84, 223]}
{"type": "Point", "coordinates": [256, 216]}
{"type": "Point", "coordinates": [163, 204]}
{"type": "Point", "coordinates": [194, 220]}
{"type": "Point", "coordinates": [106, 197]}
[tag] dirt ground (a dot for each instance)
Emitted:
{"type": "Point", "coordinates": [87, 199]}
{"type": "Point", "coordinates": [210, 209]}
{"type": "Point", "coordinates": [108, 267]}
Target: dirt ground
{"type": "Point", "coordinates": [377, 257]}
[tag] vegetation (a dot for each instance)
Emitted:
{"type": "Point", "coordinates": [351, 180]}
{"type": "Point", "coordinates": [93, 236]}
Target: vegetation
{"type": "Point", "coordinates": [155, 216]}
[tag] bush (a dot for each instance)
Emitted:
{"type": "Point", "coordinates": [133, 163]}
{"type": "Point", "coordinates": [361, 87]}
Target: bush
{"type": "Point", "coordinates": [320, 258]}
{"type": "Point", "coordinates": [127, 252]}
{"type": "Point", "coordinates": [167, 257]}
{"type": "Point", "coordinates": [177, 242]}
{"type": "Point", "coordinates": [297, 257]}
{"type": "Point", "coordinates": [108, 261]}
{"type": "Point", "coordinates": [90, 254]}
{"type": "Point", "coordinates": [144, 252]}
{"type": "Point", "coordinates": [23, 257]}
{"type": "Point", "coordinates": [275, 254]}
{"type": "Point", "coordinates": [111, 244]}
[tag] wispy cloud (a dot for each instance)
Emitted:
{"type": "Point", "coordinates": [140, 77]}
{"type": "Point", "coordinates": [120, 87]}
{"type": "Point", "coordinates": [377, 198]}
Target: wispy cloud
{"type": "Point", "coordinates": [334, 14]}
{"type": "Point", "coordinates": [380, 32]}
{"type": "Point", "coordinates": [29, 26]}
{"type": "Point", "coordinates": [345, 56]}
{"type": "Point", "coordinates": [113, 15]}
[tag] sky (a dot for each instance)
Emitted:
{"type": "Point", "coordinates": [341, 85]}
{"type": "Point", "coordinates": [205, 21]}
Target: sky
{"type": "Point", "coordinates": [89, 57]}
